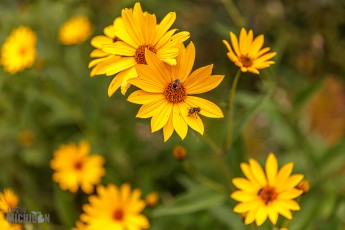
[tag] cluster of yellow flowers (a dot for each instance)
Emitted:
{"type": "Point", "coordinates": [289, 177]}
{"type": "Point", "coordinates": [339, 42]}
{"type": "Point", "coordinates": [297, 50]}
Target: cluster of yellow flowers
{"type": "Point", "coordinates": [152, 57]}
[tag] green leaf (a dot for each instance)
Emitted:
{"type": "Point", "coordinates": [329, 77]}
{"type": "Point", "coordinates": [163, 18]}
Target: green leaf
{"type": "Point", "coordinates": [198, 199]}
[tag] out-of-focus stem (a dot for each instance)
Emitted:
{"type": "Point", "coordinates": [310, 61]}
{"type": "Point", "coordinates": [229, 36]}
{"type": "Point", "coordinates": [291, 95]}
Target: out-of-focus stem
{"type": "Point", "coordinates": [228, 141]}
{"type": "Point", "coordinates": [233, 12]}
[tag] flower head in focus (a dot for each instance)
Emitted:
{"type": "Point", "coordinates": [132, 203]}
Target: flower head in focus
{"type": "Point", "coordinates": [19, 50]}
{"type": "Point", "coordinates": [74, 167]}
{"type": "Point", "coordinates": [115, 208]}
{"type": "Point", "coordinates": [75, 30]}
{"type": "Point", "coordinates": [247, 52]}
{"type": "Point", "coordinates": [266, 194]}
{"type": "Point", "coordinates": [166, 92]}
{"type": "Point", "coordinates": [138, 31]}
{"type": "Point", "coordinates": [8, 200]}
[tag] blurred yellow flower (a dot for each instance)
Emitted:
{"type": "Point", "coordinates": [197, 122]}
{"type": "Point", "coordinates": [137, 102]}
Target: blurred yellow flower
{"type": "Point", "coordinates": [152, 199]}
{"type": "Point", "coordinates": [5, 225]}
{"type": "Point", "coordinates": [19, 50]}
{"type": "Point", "coordinates": [247, 53]}
{"type": "Point", "coordinates": [79, 225]}
{"type": "Point", "coordinates": [74, 167]}
{"type": "Point", "coordinates": [179, 152]}
{"type": "Point", "coordinates": [100, 56]}
{"type": "Point", "coordinates": [75, 30]}
{"type": "Point", "coordinates": [165, 93]}
{"type": "Point", "coordinates": [8, 199]}
{"type": "Point", "coordinates": [138, 31]}
{"type": "Point", "coordinates": [115, 208]}
{"type": "Point", "coordinates": [268, 194]}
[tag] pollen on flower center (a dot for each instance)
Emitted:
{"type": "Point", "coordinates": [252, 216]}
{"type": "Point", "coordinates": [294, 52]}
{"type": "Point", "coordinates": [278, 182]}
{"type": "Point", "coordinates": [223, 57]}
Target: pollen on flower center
{"type": "Point", "coordinates": [140, 53]}
{"type": "Point", "coordinates": [118, 215]}
{"type": "Point", "coordinates": [268, 194]}
{"type": "Point", "coordinates": [246, 60]}
{"type": "Point", "coordinates": [175, 94]}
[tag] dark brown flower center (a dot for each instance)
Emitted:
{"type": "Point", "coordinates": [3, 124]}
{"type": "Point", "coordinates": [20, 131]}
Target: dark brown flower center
{"type": "Point", "coordinates": [268, 194]}
{"type": "Point", "coordinates": [118, 215]}
{"type": "Point", "coordinates": [246, 60]}
{"type": "Point", "coordinates": [175, 92]}
{"type": "Point", "coordinates": [140, 53]}
{"type": "Point", "coordinates": [78, 165]}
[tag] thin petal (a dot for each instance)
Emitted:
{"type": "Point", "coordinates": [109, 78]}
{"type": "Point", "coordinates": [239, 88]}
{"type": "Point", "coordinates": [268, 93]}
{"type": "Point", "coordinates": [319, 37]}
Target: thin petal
{"type": "Point", "coordinates": [164, 26]}
{"type": "Point", "coordinates": [271, 168]}
{"type": "Point", "coordinates": [241, 196]}
{"type": "Point", "coordinates": [245, 185]}
{"type": "Point", "coordinates": [261, 216]}
{"type": "Point", "coordinates": [193, 120]}
{"type": "Point", "coordinates": [119, 48]}
{"type": "Point", "coordinates": [161, 117]}
{"type": "Point", "coordinates": [257, 171]}
{"type": "Point", "coordinates": [207, 108]}
{"type": "Point", "coordinates": [290, 194]}
{"type": "Point", "coordinates": [179, 123]}
{"type": "Point", "coordinates": [143, 97]}
{"type": "Point", "coordinates": [168, 129]}
{"type": "Point", "coordinates": [150, 109]}
{"type": "Point", "coordinates": [185, 62]}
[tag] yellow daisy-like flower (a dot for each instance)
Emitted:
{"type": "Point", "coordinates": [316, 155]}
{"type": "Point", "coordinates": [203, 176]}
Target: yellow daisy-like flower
{"type": "Point", "coordinates": [19, 50]}
{"type": "Point", "coordinates": [75, 31]}
{"type": "Point", "coordinates": [268, 194]}
{"type": "Point", "coordinates": [138, 31]}
{"type": "Point", "coordinates": [247, 53]}
{"type": "Point", "coordinates": [101, 57]}
{"type": "Point", "coordinates": [8, 200]}
{"type": "Point", "coordinates": [74, 167]}
{"type": "Point", "coordinates": [115, 208]}
{"type": "Point", "coordinates": [5, 225]}
{"type": "Point", "coordinates": [166, 92]}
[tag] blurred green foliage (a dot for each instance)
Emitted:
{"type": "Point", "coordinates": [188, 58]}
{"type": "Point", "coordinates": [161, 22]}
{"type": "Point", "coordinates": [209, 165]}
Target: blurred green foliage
{"type": "Point", "coordinates": [59, 103]}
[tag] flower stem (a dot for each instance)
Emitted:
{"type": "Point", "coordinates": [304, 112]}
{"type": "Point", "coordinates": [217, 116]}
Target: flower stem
{"type": "Point", "coordinates": [230, 111]}
{"type": "Point", "coordinates": [233, 12]}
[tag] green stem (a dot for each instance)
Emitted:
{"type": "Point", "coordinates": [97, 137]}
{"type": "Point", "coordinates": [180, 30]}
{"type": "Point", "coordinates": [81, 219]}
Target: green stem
{"type": "Point", "coordinates": [233, 12]}
{"type": "Point", "coordinates": [202, 179]}
{"type": "Point", "coordinates": [230, 111]}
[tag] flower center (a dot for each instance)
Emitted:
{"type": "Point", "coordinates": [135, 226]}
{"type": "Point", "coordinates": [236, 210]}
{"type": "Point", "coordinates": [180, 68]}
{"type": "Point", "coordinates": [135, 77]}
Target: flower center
{"type": "Point", "coordinates": [246, 60]}
{"type": "Point", "coordinates": [78, 165]}
{"type": "Point", "coordinates": [268, 194]}
{"type": "Point", "coordinates": [118, 215]}
{"type": "Point", "coordinates": [140, 53]}
{"type": "Point", "coordinates": [175, 92]}
{"type": "Point", "coordinates": [22, 51]}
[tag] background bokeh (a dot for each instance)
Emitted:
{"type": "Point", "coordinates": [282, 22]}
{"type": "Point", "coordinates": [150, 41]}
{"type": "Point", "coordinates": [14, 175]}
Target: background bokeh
{"type": "Point", "coordinates": [296, 109]}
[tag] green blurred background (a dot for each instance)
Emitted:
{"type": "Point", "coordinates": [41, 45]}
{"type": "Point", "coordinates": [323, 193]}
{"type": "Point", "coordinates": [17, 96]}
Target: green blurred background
{"type": "Point", "coordinates": [296, 109]}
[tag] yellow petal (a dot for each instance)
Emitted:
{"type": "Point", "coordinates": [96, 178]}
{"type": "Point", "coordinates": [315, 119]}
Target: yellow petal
{"type": "Point", "coordinates": [249, 174]}
{"type": "Point", "coordinates": [118, 80]}
{"type": "Point", "coordinates": [243, 41]}
{"type": "Point", "coordinates": [98, 53]}
{"type": "Point", "coordinates": [165, 39]}
{"type": "Point", "coordinates": [185, 62]}
{"type": "Point", "coordinates": [100, 40]}
{"type": "Point", "coordinates": [109, 31]}
{"type": "Point", "coordinates": [241, 196]}
{"type": "Point", "coordinates": [150, 109]}
{"type": "Point", "coordinates": [161, 117]}
{"type": "Point", "coordinates": [247, 206]}
{"type": "Point", "coordinates": [245, 185]}
{"type": "Point", "coordinates": [157, 67]}
{"type": "Point", "coordinates": [164, 26]}
{"type": "Point", "coordinates": [179, 123]}
{"type": "Point", "coordinates": [119, 48]}
{"type": "Point", "coordinates": [168, 129]}
{"type": "Point", "coordinates": [283, 211]}
{"type": "Point", "coordinates": [118, 65]}
{"type": "Point", "coordinates": [193, 120]}
{"type": "Point", "coordinates": [271, 168]}
{"type": "Point", "coordinates": [272, 214]}
{"type": "Point", "coordinates": [289, 204]}
{"type": "Point", "coordinates": [261, 216]}
{"type": "Point", "coordinates": [207, 108]}
{"type": "Point", "coordinates": [291, 182]}
{"type": "Point", "coordinates": [206, 85]}
{"type": "Point", "coordinates": [256, 45]}
{"type": "Point", "coordinates": [283, 175]}
{"type": "Point", "coordinates": [234, 43]}
{"type": "Point", "coordinates": [143, 97]}
{"type": "Point", "coordinates": [290, 194]}
{"type": "Point", "coordinates": [121, 33]}
{"type": "Point", "coordinates": [257, 172]}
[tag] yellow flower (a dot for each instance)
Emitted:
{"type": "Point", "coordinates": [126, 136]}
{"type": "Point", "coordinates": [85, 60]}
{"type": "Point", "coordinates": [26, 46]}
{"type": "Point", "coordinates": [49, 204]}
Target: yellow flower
{"type": "Point", "coordinates": [5, 225]}
{"type": "Point", "coordinates": [8, 199]}
{"type": "Point", "coordinates": [268, 194]}
{"type": "Point", "coordinates": [115, 208]}
{"type": "Point", "coordinates": [138, 31]}
{"type": "Point", "coordinates": [304, 186]}
{"type": "Point", "coordinates": [166, 92]}
{"type": "Point", "coordinates": [75, 31]}
{"type": "Point", "coordinates": [247, 53]}
{"type": "Point", "coordinates": [80, 226]}
{"type": "Point", "coordinates": [152, 199]}
{"type": "Point", "coordinates": [74, 167]}
{"type": "Point", "coordinates": [100, 56]}
{"type": "Point", "coordinates": [19, 50]}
